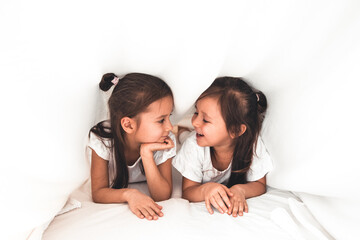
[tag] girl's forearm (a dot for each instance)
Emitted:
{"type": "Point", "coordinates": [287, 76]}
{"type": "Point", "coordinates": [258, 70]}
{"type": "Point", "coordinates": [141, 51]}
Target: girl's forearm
{"type": "Point", "coordinates": [160, 189]}
{"type": "Point", "coordinates": [251, 189]}
{"type": "Point", "coordinates": [110, 195]}
{"type": "Point", "coordinates": [194, 193]}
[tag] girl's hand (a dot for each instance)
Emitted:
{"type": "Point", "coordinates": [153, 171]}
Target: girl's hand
{"type": "Point", "coordinates": [238, 202]}
{"type": "Point", "coordinates": [147, 149]}
{"type": "Point", "coordinates": [217, 195]}
{"type": "Point", "coordinates": [143, 206]}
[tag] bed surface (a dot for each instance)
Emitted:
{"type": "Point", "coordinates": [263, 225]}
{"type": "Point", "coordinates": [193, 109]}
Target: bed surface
{"type": "Point", "coordinates": [274, 215]}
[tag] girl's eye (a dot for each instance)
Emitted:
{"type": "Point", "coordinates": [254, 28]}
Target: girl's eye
{"type": "Point", "coordinates": [162, 120]}
{"type": "Point", "coordinates": [196, 113]}
{"type": "Point", "coordinates": [205, 121]}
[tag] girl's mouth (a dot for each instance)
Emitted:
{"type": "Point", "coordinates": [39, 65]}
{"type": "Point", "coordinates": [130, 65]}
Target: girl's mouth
{"type": "Point", "coordinates": [199, 135]}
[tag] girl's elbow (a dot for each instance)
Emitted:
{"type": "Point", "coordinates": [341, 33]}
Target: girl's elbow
{"type": "Point", "coordinates": [185, 195]}
{"type": "Point", "coordinates": [263, 190]}
{"type": "Point", "coordinates": [96, 197]}
{"type": "Point", "coordinates": [163, 197]}
{"type": "Point", "coordinates": [159, 199]}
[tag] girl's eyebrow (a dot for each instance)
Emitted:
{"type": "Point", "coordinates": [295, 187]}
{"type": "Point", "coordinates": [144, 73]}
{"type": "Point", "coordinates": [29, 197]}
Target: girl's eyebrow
{"type": "Point", "coordinates": [207, 116]}
{"type": "Point", "coordinates": [163, 116]}
{"type": "Point", "coordinates": [204, 113]}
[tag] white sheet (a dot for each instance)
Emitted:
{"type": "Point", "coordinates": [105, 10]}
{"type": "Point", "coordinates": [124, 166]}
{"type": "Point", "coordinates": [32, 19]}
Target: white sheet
{"type": "Point", "coordinates": [271, 216]}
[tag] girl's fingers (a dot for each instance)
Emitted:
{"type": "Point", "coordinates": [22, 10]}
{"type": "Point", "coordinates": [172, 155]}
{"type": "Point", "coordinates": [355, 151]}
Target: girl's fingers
{"type": "Point", "coordinates": [138, 213]}
{"type": "Point", "coordinates": [246, 207]}
{"type": "Point", "coordinates": [230, 208]}
{"type": "Point", "coordinates": [241, 208]}
{"type": "Point", "coordinates": [225, 198]}
{"type": "Point", "coordinates": [167, 144]}
{"type": "Point", "coordinates": [228, 191]}
{"type": "Point", "coordinates": [220, 202]}
{"type": "Point", "coordinates": [169, 141]}
{"type": "Point", "coordinates": [215, 204]}
{"type": "Point", "coordinates": [145, 213]}
{"type": "Point", "coordinates": [152, 213]}
{"type": "Point", "coordinates": [157, 210]}
{"type": "Point", "coordinates": [158, 206]}
{"type": "Point", "coordinates": [208, 206]}
{"type": "Point", "coordinates": [236, 208]}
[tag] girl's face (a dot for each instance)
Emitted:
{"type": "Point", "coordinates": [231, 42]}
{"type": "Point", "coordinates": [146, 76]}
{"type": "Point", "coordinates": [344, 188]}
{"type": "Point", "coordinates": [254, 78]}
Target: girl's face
{"type": "Point", "coordinates": [154, 124]}
{"type": "Point", "coordinates": [209, 124]}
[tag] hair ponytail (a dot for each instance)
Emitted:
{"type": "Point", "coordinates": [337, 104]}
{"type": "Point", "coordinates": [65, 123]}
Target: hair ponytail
{"type": "Point", "coordinates": [106, 81]}
{"type": "Point", "coordinates": [261, 106]}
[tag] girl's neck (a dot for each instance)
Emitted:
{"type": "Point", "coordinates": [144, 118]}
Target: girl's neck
{"type": "Point", "coordinates": [132, 151]}
{"type": "Point", "coordinates": [222, 157]}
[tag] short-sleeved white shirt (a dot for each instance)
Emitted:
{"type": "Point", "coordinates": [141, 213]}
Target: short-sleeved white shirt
{"type": "Point", "coordinates": [194, 163]}
{"type": "Point", "coordinates": [101, 147]}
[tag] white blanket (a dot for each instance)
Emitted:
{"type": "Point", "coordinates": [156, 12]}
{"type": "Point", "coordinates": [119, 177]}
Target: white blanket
{"type": "Point", "coordinates": [277, 214]}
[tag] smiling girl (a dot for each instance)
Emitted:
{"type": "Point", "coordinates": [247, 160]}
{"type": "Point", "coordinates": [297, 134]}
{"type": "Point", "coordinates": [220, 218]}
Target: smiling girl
{"type": "Point", "coordinates": [223, 161]}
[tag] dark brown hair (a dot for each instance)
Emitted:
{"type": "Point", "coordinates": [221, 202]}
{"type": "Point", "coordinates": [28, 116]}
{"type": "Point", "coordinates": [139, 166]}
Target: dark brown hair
{"type": "Point", "coordinates": [239, 104]}
{"type": "Point", "coordinates": [131, 95]}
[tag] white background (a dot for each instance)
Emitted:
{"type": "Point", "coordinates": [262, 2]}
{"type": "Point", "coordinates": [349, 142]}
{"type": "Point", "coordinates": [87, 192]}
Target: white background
{"type": "Point", "coordinates": [304, 55]}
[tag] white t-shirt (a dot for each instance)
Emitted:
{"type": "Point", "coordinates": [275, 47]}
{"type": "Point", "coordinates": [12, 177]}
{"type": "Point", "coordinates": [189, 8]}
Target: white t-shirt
{"type": "Point", "coordinates": [102, 150]}
{"type": "Point", "coordinates": [194, 163]}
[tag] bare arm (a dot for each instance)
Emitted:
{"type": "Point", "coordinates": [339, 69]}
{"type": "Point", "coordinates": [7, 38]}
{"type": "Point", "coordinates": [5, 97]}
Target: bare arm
{"type": "Point", "coordinates": [219, 196]}
{"type": "Point", "coordinates": [214, 194]}
{"type": "Point", "coordinates": [159, 178]}
{"type": "Point", "coordinates": [140, 204]}
{"type": "Point", "coordinates": [192, 191]}
{"type": "Point", "coordinates": [101, 193]}
{"type": "Point", "coordinates": [251, 189]}
{"type": "Point", "coordinates": [242, 192]}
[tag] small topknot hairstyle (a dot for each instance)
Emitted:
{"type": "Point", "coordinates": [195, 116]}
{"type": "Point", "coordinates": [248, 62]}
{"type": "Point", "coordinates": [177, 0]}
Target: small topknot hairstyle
{"type": "Point", "coordinates": [107, 81]}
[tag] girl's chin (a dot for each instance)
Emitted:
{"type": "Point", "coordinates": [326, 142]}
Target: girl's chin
{"type": "Point", "coordinates": [200, 143]}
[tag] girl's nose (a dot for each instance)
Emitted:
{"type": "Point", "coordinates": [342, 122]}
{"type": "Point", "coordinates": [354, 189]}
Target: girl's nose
{"type": "Point", "coordinates": [169, 126]}
{"type": "Point", "coordinates": [195, 121]}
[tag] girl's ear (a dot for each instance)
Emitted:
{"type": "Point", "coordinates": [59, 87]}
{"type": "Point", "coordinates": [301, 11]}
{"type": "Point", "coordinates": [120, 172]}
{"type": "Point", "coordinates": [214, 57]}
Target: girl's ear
{"type": "Point", "coordinates": [242, 130]}
{"type": "Point", "coordinates": [128, 124]}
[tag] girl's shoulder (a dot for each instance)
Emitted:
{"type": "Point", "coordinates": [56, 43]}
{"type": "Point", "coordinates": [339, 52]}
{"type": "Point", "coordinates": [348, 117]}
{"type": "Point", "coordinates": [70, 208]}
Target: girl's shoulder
{"type": "Point", "coordinates": [102, 146]}
{"type": "Point", "coordinates": [260, 148]}
{"type": "Point", "coordinates": [261, 163]}
{"type": "Point", "coordinates": [94, 138]}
